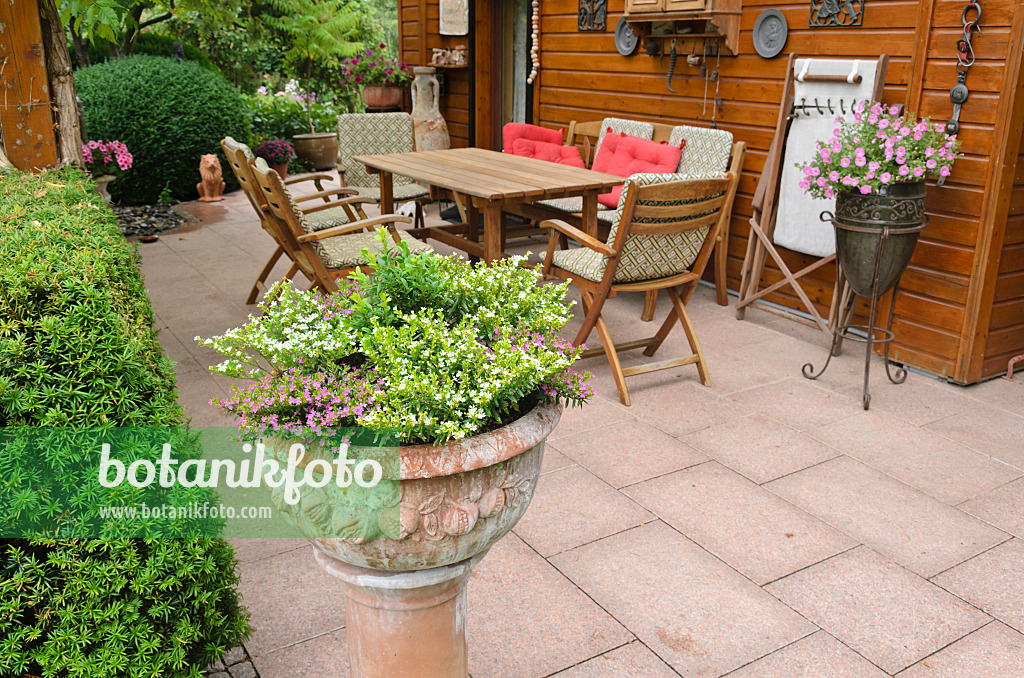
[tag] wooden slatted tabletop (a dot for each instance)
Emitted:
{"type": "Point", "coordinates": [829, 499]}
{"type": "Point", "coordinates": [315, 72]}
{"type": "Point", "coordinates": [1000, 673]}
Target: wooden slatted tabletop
{"type": "Point", "coordinates": [493, 182]}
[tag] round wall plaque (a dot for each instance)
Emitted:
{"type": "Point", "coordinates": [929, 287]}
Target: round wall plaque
{"type": "Point", "coordinates": [770, 33]}
{"type": "Point", "coordinates": [625, 40]}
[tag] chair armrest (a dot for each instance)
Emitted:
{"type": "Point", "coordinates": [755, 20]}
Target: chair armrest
{"type": "Point", "coordinates": [579, 236]}
{"type": "Point", "coordinates": [354, 226]}
{"type": "Point", "coordinates": [341, 201]}
{"type": "Point", "coordinates": [326, 195]}
{"type": "Point", "coordinates": [299, 178]}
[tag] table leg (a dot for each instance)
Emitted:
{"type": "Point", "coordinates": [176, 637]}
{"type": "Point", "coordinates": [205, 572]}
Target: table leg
{"type": "Point", "coordinates": [472, 227]}
{"type": "Point", "coordinates": [387, 193]}
{"type": "Point", "coordinates": [589, 215]}
{"type": "Point", "coordinates": [493, 232]}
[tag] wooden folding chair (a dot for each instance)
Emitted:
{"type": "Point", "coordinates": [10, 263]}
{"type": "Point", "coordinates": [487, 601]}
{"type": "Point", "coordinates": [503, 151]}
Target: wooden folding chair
{"type": "Point", "coordinates": [324, 254]}
{"type": "Point", "coordinates": [241, 159]}
{"type": "Point", "coordinates": [666, 232]}
{"type": "Point", "coordinates": [762, 240]}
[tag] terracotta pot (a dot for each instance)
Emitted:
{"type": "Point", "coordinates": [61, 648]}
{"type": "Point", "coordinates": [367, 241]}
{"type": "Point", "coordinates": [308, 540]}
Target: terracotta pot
{"type": "Point", "coordinates": [429, 128]}
{"type": "Point", "coordinates": [319, 148]}
{"type": "Point", "coordinates": [101, 183]}
{"type": "Point", "coordinates": [281, 169]}
{"type": "Point", "coordinates": [406, 597]}
{"type": "Point", "coordinates": [379, 96]}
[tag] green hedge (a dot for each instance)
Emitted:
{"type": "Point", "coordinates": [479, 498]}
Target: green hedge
{"type": "Point", "coordinates": [168, 114]}
{"type": "Point", "coordinates": [282, 117]}
{"type": "Point", "coordinates": [77, 348]}
{"type": "Point", "coordinates": [153, 44]}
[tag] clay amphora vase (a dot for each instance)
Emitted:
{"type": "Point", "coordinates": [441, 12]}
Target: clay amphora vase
{"type": "Point", "coordinates": [429, 128]}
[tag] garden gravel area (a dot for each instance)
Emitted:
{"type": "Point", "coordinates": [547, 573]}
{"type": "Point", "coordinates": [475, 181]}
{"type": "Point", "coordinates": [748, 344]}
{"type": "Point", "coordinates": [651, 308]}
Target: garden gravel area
{"type": "Point", "coordinates": [147, 219]}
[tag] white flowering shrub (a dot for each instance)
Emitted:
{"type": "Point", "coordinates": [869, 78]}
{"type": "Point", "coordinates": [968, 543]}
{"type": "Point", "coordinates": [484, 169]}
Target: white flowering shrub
{"type": "Point", "coordinates": [428, 346]}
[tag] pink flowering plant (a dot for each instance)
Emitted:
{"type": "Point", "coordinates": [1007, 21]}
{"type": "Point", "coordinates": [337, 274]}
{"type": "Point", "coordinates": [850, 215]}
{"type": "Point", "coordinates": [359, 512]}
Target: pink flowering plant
{"type": "Point", "coordinates": [274, 151]}
{"type": "Point", "coordinates": [430, 348]}
{"type": "Point", "coordinates": [374, 66]}
{"type": "Point", "coordinates": [877, 149]}
{"type": "Point", "coordinates": [106, 158]}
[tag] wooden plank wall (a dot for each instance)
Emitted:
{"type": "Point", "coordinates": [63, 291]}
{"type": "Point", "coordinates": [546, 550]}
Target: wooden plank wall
{"type": "Point", "coordinates": [583, 77]}
{"type": "Point", "coordinates": [417, 41]}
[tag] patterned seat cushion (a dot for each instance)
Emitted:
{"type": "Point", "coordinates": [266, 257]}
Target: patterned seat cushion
{"type": "Point", "coordinates": [400, 191]}
{"type": "Point", "coordinates": [643, 257]}
{"type": "Point", "coordinates": [368, 134]}
{"type": "Point", "coordinates": [707, 151]}
{"type": "Point", "coordinates": [573, 205]}
{"type": "Point", "coordinates": [347, 250]}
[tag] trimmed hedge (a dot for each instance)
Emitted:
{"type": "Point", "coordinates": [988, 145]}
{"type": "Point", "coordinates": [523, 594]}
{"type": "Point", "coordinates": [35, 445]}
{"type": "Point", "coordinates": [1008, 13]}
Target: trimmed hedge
{"type": "Point", "coordinates": [153, 44]}
{"type": "Point", "coordinates": [77, 348]}
{"type": "Point", "coordinates": [168, 113]}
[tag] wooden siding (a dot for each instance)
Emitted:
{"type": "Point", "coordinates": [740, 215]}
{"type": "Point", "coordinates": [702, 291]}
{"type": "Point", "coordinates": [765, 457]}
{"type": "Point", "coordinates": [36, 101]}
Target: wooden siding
{"type": "Point", "coordinates": [956, 314]}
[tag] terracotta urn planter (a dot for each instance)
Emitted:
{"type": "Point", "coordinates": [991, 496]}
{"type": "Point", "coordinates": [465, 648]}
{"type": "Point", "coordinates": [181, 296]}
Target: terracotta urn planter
{"type": "Point", "coordinates": [380, 96]}
{"type": "Point", "coordinates": [429, 128]}
{"type": "Point", "coordinates": [281, 169]}
{"type": "Point", "coordinates": [406, 597]}
{"type": "Point", "coordinates": [320, 148]}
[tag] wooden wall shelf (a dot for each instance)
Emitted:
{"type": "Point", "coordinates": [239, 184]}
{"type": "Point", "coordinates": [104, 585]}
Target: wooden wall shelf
{"type": "Point", "coordinates": [717, 20]}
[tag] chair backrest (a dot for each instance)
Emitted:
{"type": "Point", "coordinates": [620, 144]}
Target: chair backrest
{"type": "Point", "coordinates": [668, 224]}
{"type": "Point", "coordinates": [368, 134]}
{"type": "Point", "coordinates": [287, 224]}
{"type": "Point", "coordinates": [706, 153]}
{"type": "Point", "coordinates": [589, 135]}
{"type": "Point", "coordinates": [240, 158]}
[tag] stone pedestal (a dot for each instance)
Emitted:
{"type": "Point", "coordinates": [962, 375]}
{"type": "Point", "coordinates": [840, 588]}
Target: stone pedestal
{"type": "Point", "coordinates": [407, 624]}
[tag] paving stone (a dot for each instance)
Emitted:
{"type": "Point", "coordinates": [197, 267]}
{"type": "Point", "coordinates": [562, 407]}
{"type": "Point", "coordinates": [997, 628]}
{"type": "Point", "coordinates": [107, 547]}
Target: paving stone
{"type": "Point", "coordinates": [993, 581]}
{"type": "Point", "coordinates": [988, 430]}
{"type": "Point", "coordinates": [291, 599]}
{"type": "Point", "coordinates": [904, 524]}
{"type": "Point", "coordinates": [324, 656]}
{"type": "Point", "coordinates": [670, 401]}
{"type": "Point", "coordinates": [215, 666]}
{"type": "Point", "coordinates": [696, 613]}
{"type": "Point", "coordinates": [249, 550]}
{"type": "Point", "coordinates": [992, 652]}
{"type": "Point", "coordinates": [798, 403]}
{"type": "Point", "coordinates": [919, 400]}
{"type": "Point", "coordinates": [233, 656]}
{"type": "Point", "coordinates": [527, 619]}
{"type": "Point", "coordinates": [882, 611]}
{"type": "Point", "coordinates": [571, 507]}
{"type": "Point", "coordinates": [629, 661]}
{"type": "Point", "coordinates": [1002, 507]}
{"type": "Point", "coordinates": [933, 464]}
{"type": "Point", "coordinates": [243, 670]}
{"type": "Point", "coordinates": [220, 674]}
{"type": "Point", "coordinates": [598, 412]}
{"type": "Point", "coordinates": [554, 460]}
{"type": "Point", "coordinates": [628, 452]}
{"type": "Point", "coordinates": [759, 448]}
{"type": "Point", "coordinates": [816, 656]}
{"type": "Point", "coordinates": [748, 527]}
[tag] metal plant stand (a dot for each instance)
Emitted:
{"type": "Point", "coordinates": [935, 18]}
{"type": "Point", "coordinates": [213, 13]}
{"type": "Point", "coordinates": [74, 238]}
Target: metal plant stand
{"type": "Point", "coordinates": [872, 334]}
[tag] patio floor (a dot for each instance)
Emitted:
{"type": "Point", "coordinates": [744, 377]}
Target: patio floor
{"type": "Point", "coordinates": [764, 527]}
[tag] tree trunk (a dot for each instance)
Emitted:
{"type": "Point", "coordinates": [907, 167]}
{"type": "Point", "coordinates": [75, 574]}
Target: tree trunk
{"type": "Point", "coordinates": [81, 46]}
{"type": "Point", "coordinates": [62, 86]}
{"type": "Point", "coordinates": [309, 96]}
{"type": "Point", "coordinates": [131, 32]}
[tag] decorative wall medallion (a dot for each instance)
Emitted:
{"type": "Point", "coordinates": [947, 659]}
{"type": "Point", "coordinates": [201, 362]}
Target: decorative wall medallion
{"type": "Point", "coordinates": [836, 13]}
{"type": "Point", "coordinates": [770, 33]}
{"type": "Point", "coordinates": [454, 17]}
{"type": "Point", "coordinates": [593, 15]}
{"type": "Point", "coordinates": [625, 38]}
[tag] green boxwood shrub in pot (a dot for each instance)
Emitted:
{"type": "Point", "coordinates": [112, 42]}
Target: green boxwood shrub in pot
{"type": "Point", "coordinates": [464, 365]}
{"type": "Point", "coordinates": [168, 113]}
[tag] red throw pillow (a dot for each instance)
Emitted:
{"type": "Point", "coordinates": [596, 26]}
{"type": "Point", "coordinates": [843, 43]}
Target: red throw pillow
{"type": "Point", "coordinates": [605, 152]}
{"type": "Point", "coordinates": [563, 155]}
{"type": "Point", "coordinates": [634, 155]}
{"type": "Point", "coordinates": [518, 130]}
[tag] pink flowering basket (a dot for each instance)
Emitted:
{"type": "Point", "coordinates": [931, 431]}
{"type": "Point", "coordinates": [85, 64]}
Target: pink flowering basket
{"type": "Point", "coordinates": [106, 158]}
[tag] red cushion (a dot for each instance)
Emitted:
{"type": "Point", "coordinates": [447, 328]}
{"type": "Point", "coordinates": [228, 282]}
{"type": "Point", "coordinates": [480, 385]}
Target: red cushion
{"type": "Point", "coordinates": [606, 151]}
{"type": "Point", "coordinates": [634, 155]}
{"type": "Point", "coordinates": [563, 155]}
{"type": "Point", "coordinates": [518, 130]}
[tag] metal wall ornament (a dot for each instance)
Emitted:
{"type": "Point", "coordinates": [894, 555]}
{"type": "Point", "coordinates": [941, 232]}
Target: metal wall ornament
{"type": "Point", "coordinates": [593, 15]}
{"type": "Point", "coordinates": [836, 13]}
{"type": "Point", "coordinates": [625, 39]}
{"type": "Point", "coordinates": [770, 33]}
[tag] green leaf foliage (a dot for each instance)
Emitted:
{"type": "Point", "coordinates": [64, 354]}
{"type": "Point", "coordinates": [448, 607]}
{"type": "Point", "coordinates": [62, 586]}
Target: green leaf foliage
{"type": "Point", "coordinates": [153, 44]}
{"type": "Point", "coordinates": [168, 114]}
{"type": "Point", "coordinates": [77, 348]}
{"type": "Point", "coordinates": [282, 117]}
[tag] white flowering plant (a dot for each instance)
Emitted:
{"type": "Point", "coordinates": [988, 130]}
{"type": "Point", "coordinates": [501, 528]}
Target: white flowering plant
{"type": "Point", "coordinates": [877, 149]}
{"type": "Point", "coordinates": [430, 347]}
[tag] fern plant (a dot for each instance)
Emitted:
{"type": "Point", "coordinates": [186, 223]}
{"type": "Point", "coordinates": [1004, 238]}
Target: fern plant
{"type": "Point", "coordinates": [320, 30]}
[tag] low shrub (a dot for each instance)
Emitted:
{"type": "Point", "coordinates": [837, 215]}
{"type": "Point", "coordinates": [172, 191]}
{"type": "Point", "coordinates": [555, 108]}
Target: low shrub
{"type": "Point", "coordinates": [153, 44]}
{"type": "Point", "coordinates": [168, 114]}
{"type": "Point", "coordinates": [283, 115]}
{"type": "Point", "coordinates": [77, 348]}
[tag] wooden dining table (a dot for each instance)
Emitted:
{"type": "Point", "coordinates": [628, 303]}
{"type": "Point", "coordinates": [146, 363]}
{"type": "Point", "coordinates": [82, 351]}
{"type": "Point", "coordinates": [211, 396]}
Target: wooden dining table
{"type": "Point", "coordinates": [490, 184]}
